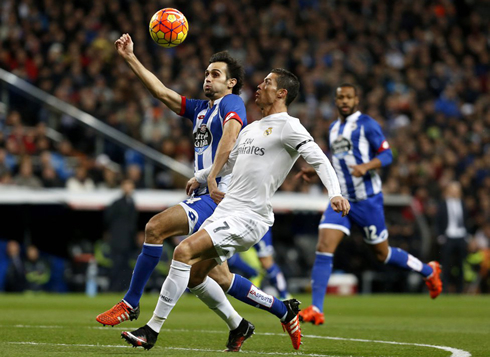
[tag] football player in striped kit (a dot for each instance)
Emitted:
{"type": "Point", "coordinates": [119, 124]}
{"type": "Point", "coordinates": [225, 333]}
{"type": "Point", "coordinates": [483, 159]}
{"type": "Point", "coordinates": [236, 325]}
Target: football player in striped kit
{"type": "Point", "coordinates": [216, 125]}
{"type": "Point", "coordinates": [358, 147]}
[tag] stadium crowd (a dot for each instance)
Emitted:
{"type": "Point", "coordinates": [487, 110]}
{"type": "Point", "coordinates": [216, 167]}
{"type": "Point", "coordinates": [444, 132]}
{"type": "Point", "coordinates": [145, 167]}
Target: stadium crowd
{"type": "Point", "coordinates": [423, 70]}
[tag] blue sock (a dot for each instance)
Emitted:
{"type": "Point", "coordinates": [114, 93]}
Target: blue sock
{"type": "Point", "coordinates": [322, 269]}
{"type": "Point", "coordinates": [243, 290]}
{"type": "Point", "coordinates": [277, 280]}
{"type": "Point", "coordinates": [238, 263]}
{"type": "Point", "coordinates": [145, 264]}
{"type": "Point", "coordinates": [402, 259]}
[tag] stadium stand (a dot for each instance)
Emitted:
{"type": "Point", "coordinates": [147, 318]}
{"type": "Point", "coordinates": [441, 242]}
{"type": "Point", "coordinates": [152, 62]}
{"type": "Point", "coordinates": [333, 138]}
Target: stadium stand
{"type": "Point", "coordinates": [423, 69]}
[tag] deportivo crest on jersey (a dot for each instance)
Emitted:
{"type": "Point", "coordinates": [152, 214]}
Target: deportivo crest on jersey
{"type": "Point", "coordinates": [354, 141]}
{"type": "Point", "coordinates": [202, 139]}
{"type": "Point", "coordinates": [341, 147]}
{"type": "Point", "coordinates": [268, 131]}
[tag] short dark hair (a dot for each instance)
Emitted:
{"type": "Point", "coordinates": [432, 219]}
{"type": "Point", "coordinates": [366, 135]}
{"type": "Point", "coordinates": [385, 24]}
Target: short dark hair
{"type": "Point", "coordinates": [349, 85]}
{"type": "Point", "coordinates": [288, 81]}
{"type": "Point", "coordinates": [234, 69]}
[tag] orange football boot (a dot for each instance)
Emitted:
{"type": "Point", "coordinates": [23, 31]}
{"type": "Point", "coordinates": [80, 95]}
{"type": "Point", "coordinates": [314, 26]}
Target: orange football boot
{"type": "Point", "coordinates": [312, 314]}
{"type": "Point", "coordinates": [291, 324]}
{"type": "Point", "coordinates": [433, 281]}
{"type": "Point", "coordinates": [118, 313]}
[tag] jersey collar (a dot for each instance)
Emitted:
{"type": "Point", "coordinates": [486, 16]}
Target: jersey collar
{"type": "Point", "coordinates": [352, 117]}
{"type": "Point", "coordinates": [216, 102]}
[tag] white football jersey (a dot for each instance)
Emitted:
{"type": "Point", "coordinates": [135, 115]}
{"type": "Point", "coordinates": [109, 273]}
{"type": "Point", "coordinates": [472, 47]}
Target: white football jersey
{"type": "Point", "coordinates": [263, 155]}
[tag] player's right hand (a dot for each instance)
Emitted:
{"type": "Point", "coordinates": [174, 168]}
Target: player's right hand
{"type": "Point", "coordinates": [306, 174]}
{"type": "Point", "coordinates": [340, 204]}
{"type": "Point", "coordinates": [124, 45]}
{"type": "Point", "coordinates": [191, 185]}
{"type": "Point", "coordinates": [214, 193]}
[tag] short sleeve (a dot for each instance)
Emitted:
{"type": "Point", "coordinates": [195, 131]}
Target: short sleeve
{"type": "Point", "coordinates": [295, 134]}
{"type": "Point", "coordinates": [375, 136]}
{"type": "Point", "coordinates": [190, 107]}
{"type": "Point", "coordinates": [232, 107]}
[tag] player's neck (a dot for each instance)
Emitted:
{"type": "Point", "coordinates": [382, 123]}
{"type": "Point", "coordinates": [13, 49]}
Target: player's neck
{"type": "Point", "coordinates": [214, 99]}
{"type": "Point", "coordinates": [274, 108]}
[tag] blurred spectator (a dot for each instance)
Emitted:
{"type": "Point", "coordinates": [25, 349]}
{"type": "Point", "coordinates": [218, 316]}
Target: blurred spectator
{"type": "Point", "coordinates": [452, 236]}
{"type": "Point", "coordinates": [81, 181]}
{"type": "Point", "coordinates": [50, 178]}
{"type": "Point", "coordinates": [26, 177]}
{"type": "Point", "coordinates": [110, 177]}
{"type": "Point", "coordinates": [477, 264]}
{"type": "Point", "coordinates": [133, 173]}
{"type": "Point", "coordinates": [121, 219]}
{"type": "Point", "coordinates": [37, 269]}
{"type": "Point", "coordinates": [16, 279]}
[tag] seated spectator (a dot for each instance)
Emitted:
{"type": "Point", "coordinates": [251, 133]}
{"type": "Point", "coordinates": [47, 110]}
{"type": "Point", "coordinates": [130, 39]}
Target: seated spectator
{"type": "Point", "coordinates": [110, 176]}
{"type": "Point", "coordinates": [26, 177]}
{"type": "Point", "coordinates": [37, 270]}
{"type": "Point", "coordinates": [81, 181]}
{"type": "Point", "coordinates": [133, 173]}
{"type": "Point", "coordinates": [50, 178]}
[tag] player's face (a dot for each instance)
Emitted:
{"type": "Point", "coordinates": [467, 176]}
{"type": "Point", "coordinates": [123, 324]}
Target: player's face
{"type": "Point", "coordinates": [266, 92]}
{"type": "Point", "coordinates": [346, 101]}
{"type": "Point", "coordinates": [215, 83]}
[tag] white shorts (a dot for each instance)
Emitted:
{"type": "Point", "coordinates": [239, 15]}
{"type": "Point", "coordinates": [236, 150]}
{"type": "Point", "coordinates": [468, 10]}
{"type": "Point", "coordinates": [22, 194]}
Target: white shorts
{"type": "Point", "coordinates": [233, 234]}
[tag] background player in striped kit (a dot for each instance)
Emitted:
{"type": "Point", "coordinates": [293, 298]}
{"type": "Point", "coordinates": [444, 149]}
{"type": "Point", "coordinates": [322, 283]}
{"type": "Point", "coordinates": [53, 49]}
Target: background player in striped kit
{"type": "Point", "coordinates": [358, 147]}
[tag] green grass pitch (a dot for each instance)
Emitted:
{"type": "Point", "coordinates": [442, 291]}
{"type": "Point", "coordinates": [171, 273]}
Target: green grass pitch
{"type": "Point", "coordinates": [359, 326]}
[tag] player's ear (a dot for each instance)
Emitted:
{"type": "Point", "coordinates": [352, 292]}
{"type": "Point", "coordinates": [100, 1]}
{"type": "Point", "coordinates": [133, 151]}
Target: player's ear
{"type": "Point", "coordinates": [232, 82]}
{"type": "Point", "coordinates": [356, 100]}
{"type": "Point", "coordinates": [282, 93]}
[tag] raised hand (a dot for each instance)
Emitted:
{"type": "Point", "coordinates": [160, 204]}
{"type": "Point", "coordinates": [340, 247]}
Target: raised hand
{"type": "Point", "coordinates": [124, 45]}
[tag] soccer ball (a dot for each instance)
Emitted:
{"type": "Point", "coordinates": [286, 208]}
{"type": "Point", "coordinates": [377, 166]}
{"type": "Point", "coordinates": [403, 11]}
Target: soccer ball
{"type": "Point", "coordinates": [168, 27]}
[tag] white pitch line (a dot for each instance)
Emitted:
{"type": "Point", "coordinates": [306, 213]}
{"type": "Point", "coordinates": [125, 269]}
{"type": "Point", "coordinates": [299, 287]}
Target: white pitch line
{"type": "Point", "coordinates": [179, 349]}
{"type": "Point", "coordinates": [454, 351]}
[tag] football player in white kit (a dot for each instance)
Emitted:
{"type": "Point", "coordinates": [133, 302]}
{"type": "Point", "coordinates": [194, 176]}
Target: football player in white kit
{"type": "Point", "coordinates": [263, 155]}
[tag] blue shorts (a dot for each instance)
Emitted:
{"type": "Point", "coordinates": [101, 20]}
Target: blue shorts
{"type": "Point", "coordinates": [264, 247]}
{"type": "Point", "coordinates": [198, 209]}
{"type": "Point", "coordinates": [367, 214]}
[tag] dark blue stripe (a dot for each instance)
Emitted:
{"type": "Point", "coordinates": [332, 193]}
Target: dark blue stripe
{"type": "Point", "coordinates": [217, 132]}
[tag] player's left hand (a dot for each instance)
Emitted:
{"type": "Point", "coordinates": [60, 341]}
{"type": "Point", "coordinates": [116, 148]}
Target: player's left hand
{"type": "Point", "coordinates": [340, 204]}
{"type": "Point", "coordinates": [192, 184]}
{"type": "Point", "coordinates": [358, 170]}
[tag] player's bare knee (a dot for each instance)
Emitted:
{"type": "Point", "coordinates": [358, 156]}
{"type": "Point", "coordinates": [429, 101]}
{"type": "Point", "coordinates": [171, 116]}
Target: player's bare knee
{"type": "Point", "coordinates": [154, 231]}
{"type": "Point", "coordinates": [182, 252]}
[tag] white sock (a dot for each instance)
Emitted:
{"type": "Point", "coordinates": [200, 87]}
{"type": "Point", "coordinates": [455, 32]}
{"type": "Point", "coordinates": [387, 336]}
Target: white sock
{"type": "Point", "coordinates": [172, 289]}
{"type": "Point", "coordinates": [210, 293]}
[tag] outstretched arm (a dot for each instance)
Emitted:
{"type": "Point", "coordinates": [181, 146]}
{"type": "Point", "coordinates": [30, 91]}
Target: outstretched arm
{"type": "Point", "coordinates": [124, 46]}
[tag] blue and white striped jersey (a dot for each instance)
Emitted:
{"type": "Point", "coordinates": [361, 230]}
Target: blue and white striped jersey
{"type": "Point", "coordinates": [355, 141]}
{"type": "Point", "coordinates": [208, 128]}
